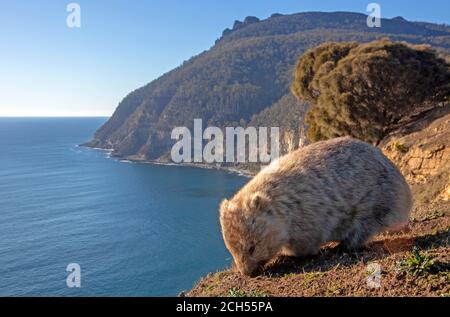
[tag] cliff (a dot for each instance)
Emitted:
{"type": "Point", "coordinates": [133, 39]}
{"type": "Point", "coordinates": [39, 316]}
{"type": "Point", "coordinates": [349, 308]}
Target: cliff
{"type": "Point", "coordinates": [421, 150]}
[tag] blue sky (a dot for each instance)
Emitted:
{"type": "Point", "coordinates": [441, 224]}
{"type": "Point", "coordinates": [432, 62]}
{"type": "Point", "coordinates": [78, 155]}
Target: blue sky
{"type": "Point", "coordinates": [48, 69]}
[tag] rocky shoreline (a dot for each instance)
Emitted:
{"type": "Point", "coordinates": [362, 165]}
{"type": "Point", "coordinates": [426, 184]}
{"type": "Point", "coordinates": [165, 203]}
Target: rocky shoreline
{"type": "Point", "coordinates": [233, 170]}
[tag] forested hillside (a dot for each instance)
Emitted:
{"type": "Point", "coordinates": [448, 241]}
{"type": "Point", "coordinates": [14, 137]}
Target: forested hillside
{"type": "Point", "coordinates": [243, 79]}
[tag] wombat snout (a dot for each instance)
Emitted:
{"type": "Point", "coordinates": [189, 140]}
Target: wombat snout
{"type": "Point", "coordinates": [250, 268]}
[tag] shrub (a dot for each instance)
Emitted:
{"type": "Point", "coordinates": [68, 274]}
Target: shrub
{"type": "Point", "coordinates": [364, 90]}
{"type": "Point", "coordinates": [417, 263]}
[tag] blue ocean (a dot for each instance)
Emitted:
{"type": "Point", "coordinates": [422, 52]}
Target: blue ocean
{"type": "Point", "coordinates": [134, 229]}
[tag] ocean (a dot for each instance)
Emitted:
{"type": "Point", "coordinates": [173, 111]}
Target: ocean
{"type": "Point", "coordinates": [133, 229]}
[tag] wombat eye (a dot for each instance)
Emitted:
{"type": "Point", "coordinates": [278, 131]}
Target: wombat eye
{"type": "Point", "coordinates": [251, 250]}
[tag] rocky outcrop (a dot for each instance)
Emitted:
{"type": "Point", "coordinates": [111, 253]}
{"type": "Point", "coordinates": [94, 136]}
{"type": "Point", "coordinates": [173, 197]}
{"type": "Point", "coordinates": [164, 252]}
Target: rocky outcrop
{"type": "Point", "coordinates": [248, 20]}
{"type": "Point", "coordinates": [422, 153]}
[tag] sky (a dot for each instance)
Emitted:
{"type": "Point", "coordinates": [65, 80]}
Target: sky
{"type": "Point", "coordinates": [49, 69]}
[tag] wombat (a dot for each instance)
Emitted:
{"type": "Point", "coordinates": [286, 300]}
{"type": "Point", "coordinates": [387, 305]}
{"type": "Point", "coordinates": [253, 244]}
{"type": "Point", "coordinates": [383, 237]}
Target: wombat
{"type": "Point", "coordinates": [338, 190]}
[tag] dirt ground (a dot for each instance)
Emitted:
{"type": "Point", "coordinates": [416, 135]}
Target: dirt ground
{"type": "Point", "coordinates": [415, 263]}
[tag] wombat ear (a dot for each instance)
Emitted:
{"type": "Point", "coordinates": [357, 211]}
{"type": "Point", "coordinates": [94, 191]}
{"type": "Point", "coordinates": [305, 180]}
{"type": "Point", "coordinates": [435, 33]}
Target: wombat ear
{"type": "Point", "coordinates": [258, 201]}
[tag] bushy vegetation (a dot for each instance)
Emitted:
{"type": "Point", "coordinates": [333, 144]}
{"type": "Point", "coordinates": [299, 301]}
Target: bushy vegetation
{"type": "Point", "coordinates": [287, 113]}
{"type": "Point", "coordinates": [364, 90]}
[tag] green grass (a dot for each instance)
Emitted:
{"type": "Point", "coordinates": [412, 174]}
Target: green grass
{"type": "Point", "coordinates": [210, 288]}
{"type": "Point", "coordinates": [417, 263]}
{"type": "Point", "coordinates": [399, 147]}
{"type": "Point", "coordinates": [310, 277]}
{"type": "Point", "coordinates": [235, 292]}
{"type": "Point", "coordinates": [288, 276]}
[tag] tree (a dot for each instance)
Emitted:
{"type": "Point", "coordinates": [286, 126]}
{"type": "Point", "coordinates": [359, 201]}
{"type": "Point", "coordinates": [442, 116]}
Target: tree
{"type": "Point", "coordinates": [363, 90]}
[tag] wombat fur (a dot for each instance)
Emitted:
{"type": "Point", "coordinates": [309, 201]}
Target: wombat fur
{"type": "Point", "coordinates": [337, 190]}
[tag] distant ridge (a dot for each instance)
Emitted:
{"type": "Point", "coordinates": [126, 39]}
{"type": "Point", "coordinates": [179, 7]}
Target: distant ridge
{"type": "Point", "coordinates": [279, 24]}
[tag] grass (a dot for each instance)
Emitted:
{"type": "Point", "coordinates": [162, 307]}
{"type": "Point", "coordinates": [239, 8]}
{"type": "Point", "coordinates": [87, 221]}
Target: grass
{"type": "Point", "coordinates": [400, 147]}
{"type": "Point", "coordinates": [307, 277]}
{"type": "Point", "coordinates": [210, 288]}
{"type": "Point", "coordinates": [235, 292]}
{"type": "Point", "coordinates": [430, 216]}
{"type": "Point", "coordinates": [417, 263]}
{"type": "Point", "coordinates": [288, 276]}
{"type": "Point", "coordinates": [332, 290]}
{"type": "Point", "coordinates": [310, 277]}
{"type": "Point", "coordinates": [215, 282]}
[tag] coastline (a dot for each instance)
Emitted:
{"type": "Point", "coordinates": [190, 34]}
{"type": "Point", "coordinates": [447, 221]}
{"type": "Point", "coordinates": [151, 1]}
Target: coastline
{"type": "Point", "coordinates": [233, 170]}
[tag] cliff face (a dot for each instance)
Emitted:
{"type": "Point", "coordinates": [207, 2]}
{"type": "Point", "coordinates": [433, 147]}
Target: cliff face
{"type": "Point", "coordinates": [244, 77]}
{"type": "Point", "coordinates": [421, 150]}
{"type": "Point", "coordinates": [288, 114]}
